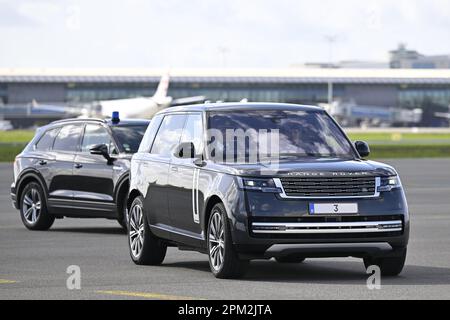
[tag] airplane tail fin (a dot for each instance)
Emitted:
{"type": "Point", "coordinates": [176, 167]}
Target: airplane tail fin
{"type": "Point", "coordinates": [163, 87]}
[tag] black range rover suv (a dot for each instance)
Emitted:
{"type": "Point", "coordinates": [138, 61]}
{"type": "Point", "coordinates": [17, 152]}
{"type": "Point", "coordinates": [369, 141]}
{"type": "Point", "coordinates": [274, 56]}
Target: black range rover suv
{"type": "Point", "coordinates": [318, 197]}
{"type": "Point", "coordinates": [76, 168]}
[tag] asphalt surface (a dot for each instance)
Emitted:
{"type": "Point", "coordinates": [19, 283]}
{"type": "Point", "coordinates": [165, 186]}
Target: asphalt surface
{"type": "Point", "coordinates": [33, 264]}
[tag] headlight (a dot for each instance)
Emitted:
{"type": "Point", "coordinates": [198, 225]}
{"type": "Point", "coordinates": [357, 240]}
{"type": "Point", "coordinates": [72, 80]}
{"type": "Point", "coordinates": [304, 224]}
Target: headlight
{"type": "Point", "coordinates": [389, 183]}
{"type": "Point", "coordinates": [263, 185]}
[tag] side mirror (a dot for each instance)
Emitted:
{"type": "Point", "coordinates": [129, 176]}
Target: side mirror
{"type": "Point", "coordinates": [362, 148]}
{"type": "Point", "coordinates": [185, 150]}
{"type": "Point", "coordinates": [101, 149]}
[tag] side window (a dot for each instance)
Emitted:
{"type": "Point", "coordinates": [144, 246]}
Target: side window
{"type": "Point", "coordinates": [47, 140]}
{"type": "Point", "coordinates": [68, 138]}
{"type": "Point", "coordinates": [193, 131]}
{"type": "Point", "coordinates": [168, 135]}
{"type": "Point", "coordinates": [95, 134]}
{"type": "Point", "coordinates": [149, 135]}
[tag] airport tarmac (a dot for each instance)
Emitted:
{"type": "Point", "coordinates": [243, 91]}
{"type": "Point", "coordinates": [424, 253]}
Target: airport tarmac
{"type": "Point", "coordinates": [33, 264]}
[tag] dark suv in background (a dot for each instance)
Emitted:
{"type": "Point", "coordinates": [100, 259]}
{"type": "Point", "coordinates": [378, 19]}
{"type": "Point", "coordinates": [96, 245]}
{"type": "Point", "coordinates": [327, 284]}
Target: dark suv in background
{"type": "Point", "coordinates": [320, 198]}
{"type": "Point", "coordinates": [76, 168]}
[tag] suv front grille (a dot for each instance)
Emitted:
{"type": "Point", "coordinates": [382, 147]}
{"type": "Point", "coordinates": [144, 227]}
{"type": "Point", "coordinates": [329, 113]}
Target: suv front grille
{"type": "Point", "coordinates": [329, 187]}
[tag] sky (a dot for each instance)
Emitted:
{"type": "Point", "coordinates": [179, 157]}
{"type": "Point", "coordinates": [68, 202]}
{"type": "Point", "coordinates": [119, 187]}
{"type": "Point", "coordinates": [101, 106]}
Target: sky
{"type": "Point", "coordinates": [214, 33]}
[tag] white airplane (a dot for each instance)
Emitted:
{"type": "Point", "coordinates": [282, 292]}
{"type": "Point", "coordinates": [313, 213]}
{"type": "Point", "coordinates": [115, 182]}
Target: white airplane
{"type": "Point", "coordinates": [442, 115]}
{"type": "Point", "coordinates": [140, 107]}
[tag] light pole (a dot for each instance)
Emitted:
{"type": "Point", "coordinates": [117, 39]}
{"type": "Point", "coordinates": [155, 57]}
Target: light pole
{"type": "Point", "coordinates": [223, 52]}
{"type": "Point", "coordinates": [331, 39]}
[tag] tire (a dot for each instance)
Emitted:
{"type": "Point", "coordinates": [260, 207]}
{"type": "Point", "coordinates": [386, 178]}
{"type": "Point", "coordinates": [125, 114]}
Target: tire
{"type": "Point", "coordinates": [33, 208]}
{"type": "Point", "coordinates": [389, 266]}
{"type": "Point", "coordinates": [145, 248]}
{"type": "Point", "coordinates": [123, 217]}
{"type": "Point", "coordinates": [223, 259]}
{"type": "Point", "coordinates": [290, 259]}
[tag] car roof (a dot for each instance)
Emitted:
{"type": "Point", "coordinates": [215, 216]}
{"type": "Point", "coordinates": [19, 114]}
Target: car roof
{"type": "Point", "coordinates": [239, 106]}
{"type": "Point", "coordinates": [126, 122]}
{"type": "Point", "coordinates": [108, 122]}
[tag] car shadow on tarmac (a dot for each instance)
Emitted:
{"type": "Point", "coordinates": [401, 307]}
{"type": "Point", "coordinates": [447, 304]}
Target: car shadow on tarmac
{"type": "Point", "coordinates": [328, 272]}
{"type": "Point", "coordinates": [90, 230]}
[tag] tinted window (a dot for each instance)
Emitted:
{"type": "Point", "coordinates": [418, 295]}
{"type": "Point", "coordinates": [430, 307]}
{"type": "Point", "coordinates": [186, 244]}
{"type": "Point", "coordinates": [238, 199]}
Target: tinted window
{"type": "Point", "coordinates": [93, 135]}
{"type": "Point", "coordinates": [46, 141]}
{"type": "Point", "coordinates": [149, 135]}
{"type": "Point", "coordinates": [300, 134]}
{"type": "Point", "coordinates": [68, 138]}
{"type": "Point", "coordinates": [129, 137]}
{"type": "Point", "coordinates": [168, 135]}
{"type": "Point", "coordinates": [193, 132]}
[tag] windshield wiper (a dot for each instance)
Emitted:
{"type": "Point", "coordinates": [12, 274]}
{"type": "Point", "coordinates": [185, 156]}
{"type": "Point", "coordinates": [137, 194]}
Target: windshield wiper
{"type": "Point", "coordinates": [297, 155]}
{"type": "Point", "coordinates": [312, 155]}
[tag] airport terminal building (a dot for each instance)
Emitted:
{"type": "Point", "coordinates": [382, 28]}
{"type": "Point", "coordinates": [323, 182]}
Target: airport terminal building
{"type": "Point", "coordinates": [375, 87]}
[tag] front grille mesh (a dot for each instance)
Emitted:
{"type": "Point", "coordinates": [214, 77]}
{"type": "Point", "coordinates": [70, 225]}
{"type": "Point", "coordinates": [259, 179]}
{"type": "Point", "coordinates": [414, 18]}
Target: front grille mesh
{"type": "Point", "coordinates": [329, 187]}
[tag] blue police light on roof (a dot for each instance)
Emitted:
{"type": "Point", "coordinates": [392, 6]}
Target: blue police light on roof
{"type": "Point", "coordinates": [115, 117]}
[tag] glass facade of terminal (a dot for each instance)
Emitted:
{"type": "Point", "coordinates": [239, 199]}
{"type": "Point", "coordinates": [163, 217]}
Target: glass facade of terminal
{"type": "Point", "coordinates": [430, 94]}
{"type": "Point", "coordinates": [3, 94]}
{"type": "Point", "coordinates": [406, 95]}
{"type": "Point", "coordinates": [277, 92]}
{"type": "Point", "coordinates": [292, 93]}
{"type": "Point", "coordinates": [415, 96]}
{"type": "Point", "coordinates": [87, 92]}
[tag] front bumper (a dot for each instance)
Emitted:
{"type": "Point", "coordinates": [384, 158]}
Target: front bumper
{"type": "Point", "coordinates": [345, 244]}
{"type": "Point", "coordinates": [357, 249]}
{"type": "Point", "coordinates": [15, 203]}
{"type": "Point", "coordinates": [265, 226]}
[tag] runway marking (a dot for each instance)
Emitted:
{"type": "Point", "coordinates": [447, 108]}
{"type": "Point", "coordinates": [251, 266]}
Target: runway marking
{"type": "Point", "coordinates": [147, 295]}
{"type": "Point", "coordinates": [6, 281]}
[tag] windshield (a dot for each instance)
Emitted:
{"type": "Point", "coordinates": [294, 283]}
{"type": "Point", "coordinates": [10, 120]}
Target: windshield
{"type": "Point", "coordinates": [295, 135]}
{"type": "Point", "coordinates": [129, 137]}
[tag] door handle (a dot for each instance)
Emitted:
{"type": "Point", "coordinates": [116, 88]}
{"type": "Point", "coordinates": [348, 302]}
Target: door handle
{"type": "Point", "coordinates": [174, 169]}
{"type": "Point", "coordinates": [42, 162]}
{"type": "Point", "coordinates": [78, 166]}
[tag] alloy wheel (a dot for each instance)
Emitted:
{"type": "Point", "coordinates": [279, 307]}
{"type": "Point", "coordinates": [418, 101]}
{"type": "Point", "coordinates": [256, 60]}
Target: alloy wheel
{"type": "Point", "coordinates": [136, 232]}
{"type": "Point", "coordinates": [31, 206]}
{"type": "Point", "coordinates": [216, 237]}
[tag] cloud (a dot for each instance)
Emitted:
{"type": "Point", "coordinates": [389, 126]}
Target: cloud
{"type": "Point", "coordinates": [256, 33]}
{"type": "Point", "coordinates": [10, 16]}
{"type": "Point", "coordinates": [42, 11]}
